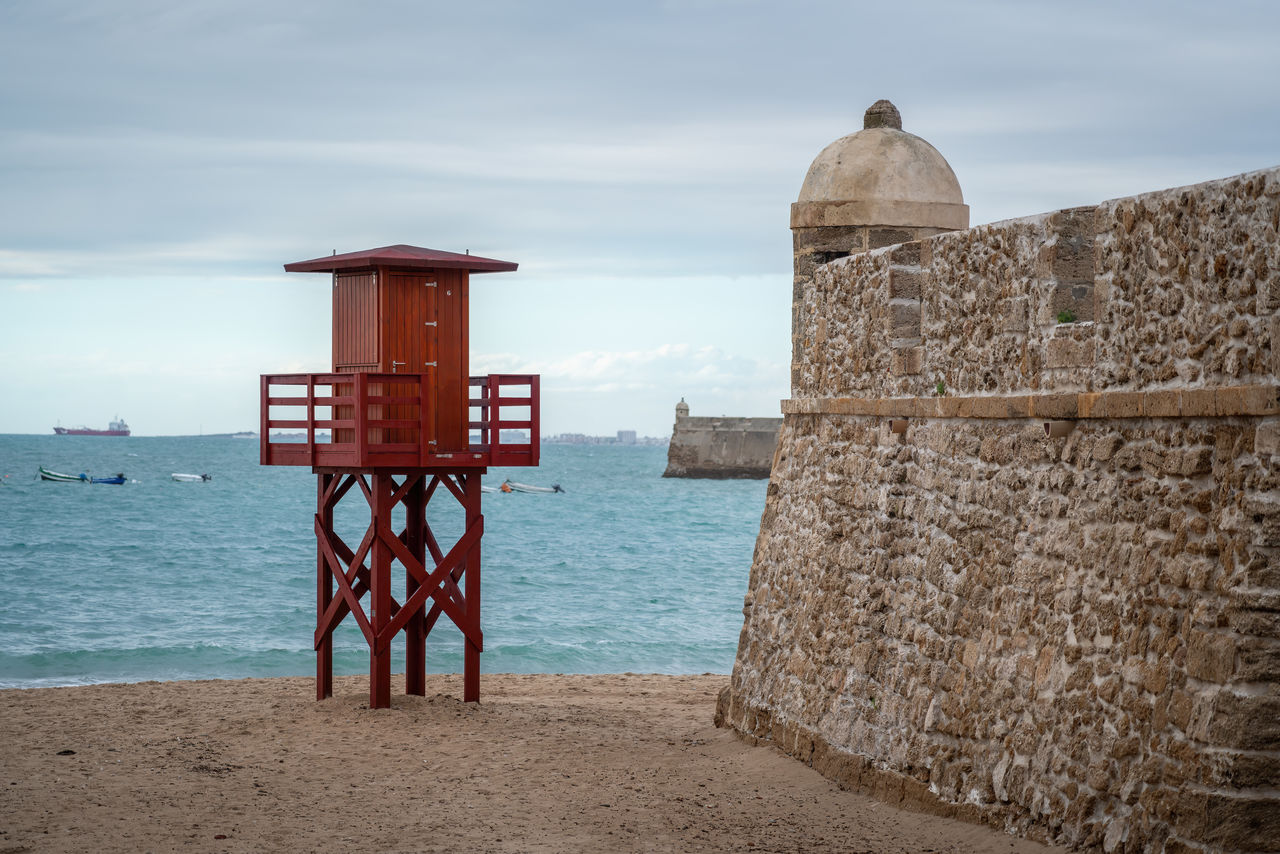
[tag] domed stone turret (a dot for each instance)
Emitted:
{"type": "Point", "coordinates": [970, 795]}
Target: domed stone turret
{"type": "Point", "coordinates": [880, 175]}
{"type": "Point", "coordinates": [877, 187]}
{"type": "Point", "coordinates": [682, 409]}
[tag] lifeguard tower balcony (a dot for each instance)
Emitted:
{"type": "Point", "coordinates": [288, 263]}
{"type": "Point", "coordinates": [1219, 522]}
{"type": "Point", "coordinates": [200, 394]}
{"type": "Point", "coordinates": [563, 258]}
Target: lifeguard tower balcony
{"type": "Point", "coordinates": [399, 396]}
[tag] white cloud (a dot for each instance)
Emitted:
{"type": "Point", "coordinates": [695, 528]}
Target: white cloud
{"type": "Point", "coordinates": [668, 366]}
{"type": "Point", "coordinates": [191, 257]}
{"type": "Point", "coordinates": [14, 263]}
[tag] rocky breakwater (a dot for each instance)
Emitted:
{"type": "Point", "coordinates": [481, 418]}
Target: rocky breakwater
{"type": "Point", "coordinates": [1020, 556]}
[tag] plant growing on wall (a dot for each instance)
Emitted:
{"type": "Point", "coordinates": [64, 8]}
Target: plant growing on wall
{"type": "Point", "coordinates": [940, 388]}
{"type": "Point", "coordinates": [1066, 316]}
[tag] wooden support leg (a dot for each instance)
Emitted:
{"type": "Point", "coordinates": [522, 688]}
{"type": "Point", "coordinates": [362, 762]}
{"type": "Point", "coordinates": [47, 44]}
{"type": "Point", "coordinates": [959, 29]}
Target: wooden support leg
{"type": "Point", "coordinates": [324, 593]}
{"type": "Point", "coordinates": [415, 659]}
{"type": "Point", "coordinates": [383, 548]}
{"type": "Point", "coordinates": [380, 595]}
{"type": "Point", "coordinates": [471, 654]}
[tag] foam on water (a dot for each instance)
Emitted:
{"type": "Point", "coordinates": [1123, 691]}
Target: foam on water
{"type": "Point", "coordinates": [155, 579]}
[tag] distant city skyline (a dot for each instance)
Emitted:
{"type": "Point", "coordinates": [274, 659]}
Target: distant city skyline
{"type": "Point", "coordinates": [638, 161]}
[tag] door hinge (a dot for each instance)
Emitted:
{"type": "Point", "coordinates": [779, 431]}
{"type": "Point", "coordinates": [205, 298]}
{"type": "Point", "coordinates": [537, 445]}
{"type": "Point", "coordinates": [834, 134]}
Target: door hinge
{"type": "Point", "coordinates": [430, 364]}
{"type": "Point", "coordinates": [430, 323]}
{"type": "Point", "coordinates": [429, 284]}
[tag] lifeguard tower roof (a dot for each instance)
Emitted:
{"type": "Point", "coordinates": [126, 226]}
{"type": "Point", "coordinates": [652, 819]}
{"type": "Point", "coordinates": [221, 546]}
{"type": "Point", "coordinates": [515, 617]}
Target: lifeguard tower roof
{"type": "Point", "coordinates": [401, 257]}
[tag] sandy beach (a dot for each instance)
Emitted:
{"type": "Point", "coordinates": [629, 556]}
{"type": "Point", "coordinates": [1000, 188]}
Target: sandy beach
{"type": "Point", "coordinates": [543, 764]}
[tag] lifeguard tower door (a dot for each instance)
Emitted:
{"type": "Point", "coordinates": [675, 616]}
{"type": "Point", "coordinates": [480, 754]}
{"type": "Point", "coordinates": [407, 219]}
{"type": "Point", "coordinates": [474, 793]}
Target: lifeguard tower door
{"type": "Point", "coordinates": [408, 322]}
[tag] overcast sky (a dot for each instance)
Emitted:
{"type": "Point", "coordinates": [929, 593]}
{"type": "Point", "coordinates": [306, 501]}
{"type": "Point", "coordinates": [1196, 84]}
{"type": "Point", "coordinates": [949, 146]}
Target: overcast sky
{"type": "Point", "coordinates": [161, 161]}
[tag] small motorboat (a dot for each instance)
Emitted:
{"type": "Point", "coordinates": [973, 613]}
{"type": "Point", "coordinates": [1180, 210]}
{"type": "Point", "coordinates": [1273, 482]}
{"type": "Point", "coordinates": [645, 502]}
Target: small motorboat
{"type": "Point", "coordinates": [524, 487]}
{"type": "Point", "coordinates": [191, 478]}
{"type": "Point", "coordinates": [45, 474]}
{"type": "Point", "coordinates": [489, 489]}
{"type": "Point", "coordinates": [58, 477]}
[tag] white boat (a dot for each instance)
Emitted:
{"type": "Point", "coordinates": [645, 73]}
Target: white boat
{"type": "Point", "coordinates": [524, 487]}
{"type": "Point", "coordinates": [490, 489]}
{"type": "Point", "coordinates": [191, 478]}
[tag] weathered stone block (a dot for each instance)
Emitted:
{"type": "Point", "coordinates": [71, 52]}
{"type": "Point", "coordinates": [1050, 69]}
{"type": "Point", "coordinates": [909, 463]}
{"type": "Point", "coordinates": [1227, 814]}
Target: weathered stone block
{"type": "Point", "coordinates": [1115, 404]}
{"type": "Point", "coordinates": [1054, 405]}
{"type": "Point", "coordinates": [926, 248]}
{"type": "Point", "coordinates": [905, 284]}
{"type": "Point", "coordinates": [1230, 401]}
{"type": "Point", "coordinates": [949, 407]}
{"type": "Point", "coordinates": [1274, 327]}
{"type": "Point", "coordinates": [1073, 245]}
{"type": "Point", "coordinates": [843, 239]}
{"type": "Point", "coordinates": [878, 237]}
{"type": "Point", "coordinates": [1250, 722]}
{"type": "Point", "coordinates": [1198, 403]}
{"type": "Point", "coordinates": [1269, 294]}
{"type": "Point", "coordinates": [996, 407]}
{"type": "Point", "coordinates": [906, 361]}
{"type": "Point", "coordinates": [1194, 462]}
{"type": "Point", "coordinates": [904, 320]}
{"type": "Point", "coordinates": [1162, 404]}
{"type": "Point", "coordinates": [1067, 353]}
{"type": "Point", "coordinates": [1253, 621]}
{"type": "Point", "coordinates": [1257, 660]}
{"type": "Point", "coordinates": [1076, 298]}
{"type": "Point", "coordinates": [1015, 314]}
{"type": "Point", "coordinates": [1211, 656]}
{"type": "Point", "coordinates": [806, 265]}
{"type": "Point", "coordinates": [906, 255]}
{"type": "Point", "coordinates": [1242, 771]}
{"type": "Point", "coordinates": [1266, 439]}
{"type": "Point", "coordinates": [924, 407]}
{"type": "Point", "coordinates": [1249, 400]}
{"type": "Point", "coordinates": [1225, 821]}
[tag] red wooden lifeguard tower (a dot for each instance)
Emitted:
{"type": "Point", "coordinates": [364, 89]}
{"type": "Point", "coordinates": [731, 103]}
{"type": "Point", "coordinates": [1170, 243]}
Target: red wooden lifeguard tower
{"type": "Point", "coordinates": [404, 419]}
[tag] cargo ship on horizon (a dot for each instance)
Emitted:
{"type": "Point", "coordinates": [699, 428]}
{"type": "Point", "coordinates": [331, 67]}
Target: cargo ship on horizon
{"type": "Point", "coordinates": [115, 428]}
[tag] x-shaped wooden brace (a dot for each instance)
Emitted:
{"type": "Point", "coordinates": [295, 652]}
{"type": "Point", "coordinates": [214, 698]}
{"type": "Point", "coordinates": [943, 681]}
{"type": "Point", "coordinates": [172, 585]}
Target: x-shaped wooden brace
{"type": "Point", "coordinates": [440, 585]}
{"type": "Point", "coordinates": [349, 571]}
{"type": "Point", "coordinates": [354, 579]}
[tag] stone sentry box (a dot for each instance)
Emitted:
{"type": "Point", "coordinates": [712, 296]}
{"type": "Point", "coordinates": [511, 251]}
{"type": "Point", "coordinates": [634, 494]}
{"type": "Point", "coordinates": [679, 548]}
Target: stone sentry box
{"type": "Point", "coordinates": [874, 188]}
{"type": "Point", "coordinates": [1072, 636]}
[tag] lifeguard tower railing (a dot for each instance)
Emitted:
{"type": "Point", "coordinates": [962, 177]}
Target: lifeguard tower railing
{"type": "Point", "coordinates": [387, 421]}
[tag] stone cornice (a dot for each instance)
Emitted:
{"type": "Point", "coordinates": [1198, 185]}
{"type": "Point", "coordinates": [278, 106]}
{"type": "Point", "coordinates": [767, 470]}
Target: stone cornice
{"type": "Point", "coordinates": [945, 215]}
{"type": "Point", "coordinates": [1218, 402]}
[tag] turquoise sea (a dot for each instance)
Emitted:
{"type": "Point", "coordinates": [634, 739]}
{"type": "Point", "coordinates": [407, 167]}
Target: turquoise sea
{"type": "Point", "coordinates": [155, 579]}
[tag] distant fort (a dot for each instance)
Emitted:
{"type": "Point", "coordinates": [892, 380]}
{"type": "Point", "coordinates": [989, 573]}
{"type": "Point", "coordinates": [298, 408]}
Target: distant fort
{"type": "Point", "coordinates": [721, 447]}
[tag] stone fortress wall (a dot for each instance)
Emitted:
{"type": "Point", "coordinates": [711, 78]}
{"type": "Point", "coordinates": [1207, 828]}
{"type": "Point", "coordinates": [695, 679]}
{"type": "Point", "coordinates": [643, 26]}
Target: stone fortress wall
{"type": "Point", "coordinates": [723, 448]}
{"type": "Point", "coordinates": [1075, 636]}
